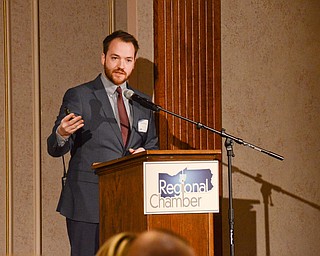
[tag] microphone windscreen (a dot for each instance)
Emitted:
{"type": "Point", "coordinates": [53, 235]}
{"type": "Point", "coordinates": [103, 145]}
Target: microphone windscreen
{"type": "Point", "coordinates": [128, 94]}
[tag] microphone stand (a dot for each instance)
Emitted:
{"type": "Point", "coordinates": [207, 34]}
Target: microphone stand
{"type": "Point", "coordinates": [230, 139]}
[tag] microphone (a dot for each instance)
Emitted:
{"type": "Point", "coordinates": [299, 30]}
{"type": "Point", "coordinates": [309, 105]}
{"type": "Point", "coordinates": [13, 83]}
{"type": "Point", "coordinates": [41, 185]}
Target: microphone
{"type": "Point", "coordinates": [130, 95]}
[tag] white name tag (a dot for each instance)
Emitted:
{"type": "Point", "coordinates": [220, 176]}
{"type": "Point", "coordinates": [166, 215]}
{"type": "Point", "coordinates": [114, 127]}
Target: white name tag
{"type": "Point", "coordinates": [143, 125]}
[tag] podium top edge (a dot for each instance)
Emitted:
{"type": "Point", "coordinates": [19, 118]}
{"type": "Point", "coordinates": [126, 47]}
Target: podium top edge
{"type": "Point", "coordinates": [158, 153]}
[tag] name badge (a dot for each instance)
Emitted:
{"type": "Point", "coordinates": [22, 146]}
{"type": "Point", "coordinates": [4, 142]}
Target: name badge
{"type": "Point", "coordinates": [143, 125]}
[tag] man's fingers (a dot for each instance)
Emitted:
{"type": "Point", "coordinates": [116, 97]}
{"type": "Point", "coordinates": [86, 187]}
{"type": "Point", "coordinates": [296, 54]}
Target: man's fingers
{"type": "Point", "coordinates": [135, 151]}
{"type": "Point", "coordinates": [68, 117]}
{"type": "Point", "coordinates": [70, 124]}
{"type": "Point", "coordinates": [77, 126]}
{"type": "Point", "coordinates": [76, 121]}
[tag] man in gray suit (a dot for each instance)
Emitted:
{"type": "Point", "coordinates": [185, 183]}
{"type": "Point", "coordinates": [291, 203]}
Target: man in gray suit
{"type": "Point", "coordinates": [90, 125]}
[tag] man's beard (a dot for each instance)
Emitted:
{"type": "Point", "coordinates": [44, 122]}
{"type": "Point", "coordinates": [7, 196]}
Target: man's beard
{"type": "Point", "coordinates": [110, 74]}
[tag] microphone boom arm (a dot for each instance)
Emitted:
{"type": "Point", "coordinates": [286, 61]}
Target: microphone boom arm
{"type": "Point", "coordinates": [129, 94]}
{"type": "Point", "coordinates": [223, 134]}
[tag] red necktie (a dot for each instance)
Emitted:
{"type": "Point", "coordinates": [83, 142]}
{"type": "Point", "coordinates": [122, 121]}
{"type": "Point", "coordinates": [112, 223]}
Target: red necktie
{"type": "Point", "coordinates": [124, 120]}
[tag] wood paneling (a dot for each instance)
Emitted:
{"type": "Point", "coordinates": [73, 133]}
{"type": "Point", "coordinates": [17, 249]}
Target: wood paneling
{"type": "Point", "coordinates": [188, 83]}
{"type": "Point", "coordinates": [188, 78]}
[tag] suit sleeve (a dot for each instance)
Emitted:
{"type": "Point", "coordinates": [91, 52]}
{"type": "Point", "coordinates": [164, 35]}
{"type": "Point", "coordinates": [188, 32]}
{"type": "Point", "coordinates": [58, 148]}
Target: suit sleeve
{"type": "Point", "coordinates": [72, 101]}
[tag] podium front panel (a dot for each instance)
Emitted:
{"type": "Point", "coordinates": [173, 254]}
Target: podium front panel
{"type": "Point", "coordinates": [122, 202]}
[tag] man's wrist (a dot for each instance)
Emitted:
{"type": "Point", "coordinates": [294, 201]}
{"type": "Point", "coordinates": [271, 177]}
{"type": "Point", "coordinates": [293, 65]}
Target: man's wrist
{"type": "Point", "coordinates": [61, 139]}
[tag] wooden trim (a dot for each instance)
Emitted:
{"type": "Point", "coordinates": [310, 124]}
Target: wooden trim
{"type": "Point", "coordinates": [165, 154]}
{"type": "Point", "coordinates": [37, 129]}
{"type": "Point", "coordinates": [111, 15]}
{"type": "Point", "coordinates": [8, 129]}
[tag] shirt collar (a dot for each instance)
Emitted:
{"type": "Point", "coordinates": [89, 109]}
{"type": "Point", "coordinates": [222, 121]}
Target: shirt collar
{"type": "Point", "coordinates": [111, 87]}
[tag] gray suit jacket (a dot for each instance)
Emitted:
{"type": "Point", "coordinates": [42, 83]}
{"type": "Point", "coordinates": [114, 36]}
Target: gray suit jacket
{"type": "Point", "coordinates": [98, 141]}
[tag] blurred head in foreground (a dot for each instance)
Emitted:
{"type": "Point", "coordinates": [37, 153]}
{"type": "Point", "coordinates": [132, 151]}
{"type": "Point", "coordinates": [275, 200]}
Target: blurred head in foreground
{"type": "Point", "coordinates": [159, 243]}
{"type": "Point", "coordinates": [117, 245]}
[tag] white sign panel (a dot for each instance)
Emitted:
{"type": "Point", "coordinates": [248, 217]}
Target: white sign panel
{"type": "Point", "coordinates": [181, 187]}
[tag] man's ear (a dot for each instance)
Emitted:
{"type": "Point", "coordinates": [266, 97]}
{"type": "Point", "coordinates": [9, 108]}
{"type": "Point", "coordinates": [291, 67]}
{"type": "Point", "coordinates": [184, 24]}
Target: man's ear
{"type": "Point", "coordinates": [103, 58]}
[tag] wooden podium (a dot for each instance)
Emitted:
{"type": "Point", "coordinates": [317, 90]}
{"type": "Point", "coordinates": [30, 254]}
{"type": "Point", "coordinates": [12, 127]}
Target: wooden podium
{"type": "Point", "coordinates": [122, 202]}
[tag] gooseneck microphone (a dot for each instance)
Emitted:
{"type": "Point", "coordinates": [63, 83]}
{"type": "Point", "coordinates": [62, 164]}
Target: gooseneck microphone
{"type": "Point", "coordinates": [130, 95]}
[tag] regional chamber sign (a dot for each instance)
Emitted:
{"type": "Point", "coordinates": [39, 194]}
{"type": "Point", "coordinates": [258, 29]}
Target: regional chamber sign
{"type": "Point", "coordinates": [181, 187]}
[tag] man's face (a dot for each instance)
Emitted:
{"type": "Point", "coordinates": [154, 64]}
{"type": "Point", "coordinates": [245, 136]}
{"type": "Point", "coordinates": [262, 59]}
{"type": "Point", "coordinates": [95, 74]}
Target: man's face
{"type": "Point", "coordinates": [119, 61]}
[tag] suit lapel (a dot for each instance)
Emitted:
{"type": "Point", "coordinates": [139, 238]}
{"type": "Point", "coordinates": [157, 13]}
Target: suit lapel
{"type": "Point", "coordinates": [102, 96]}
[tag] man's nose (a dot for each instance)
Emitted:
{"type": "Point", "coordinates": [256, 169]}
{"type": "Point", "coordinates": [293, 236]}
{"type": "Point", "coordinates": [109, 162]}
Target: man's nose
{"type": "Point", "coordinates": [121, 63]}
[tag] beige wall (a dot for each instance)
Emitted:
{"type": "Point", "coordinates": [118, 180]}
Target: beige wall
{"type": "Point", "coordinates": [68, 37]}
{"type": "Point", "coordinates": [271, 98]}
{"type": "Point", "coordinates": [22, 228]}
{"type": "Point", "coordinates": [71, 38]}
{"type": "Point", "coordinates": [270, 90]}
{"type": "Point", "coordinates": [70, 46]}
